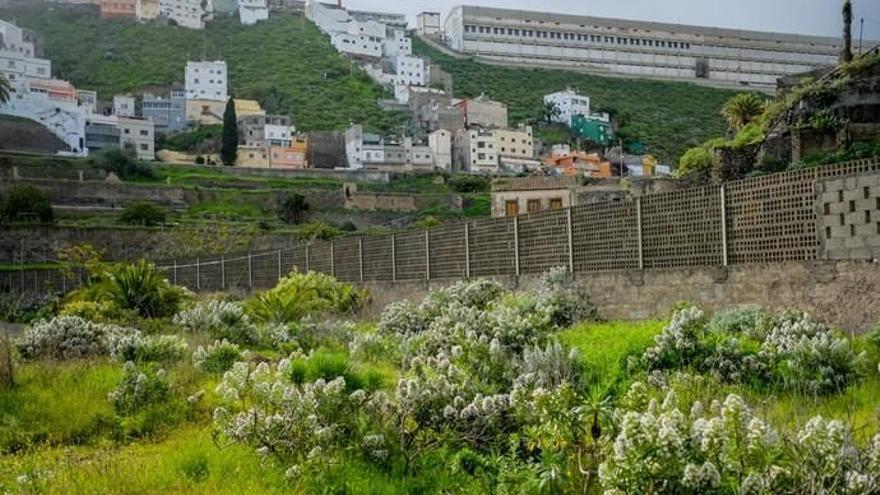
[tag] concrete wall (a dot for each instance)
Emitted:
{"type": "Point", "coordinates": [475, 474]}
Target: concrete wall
{"type": "Point", "coordinates": [844, 293]}
{"type": "Point", "coordinates": [848, 211]}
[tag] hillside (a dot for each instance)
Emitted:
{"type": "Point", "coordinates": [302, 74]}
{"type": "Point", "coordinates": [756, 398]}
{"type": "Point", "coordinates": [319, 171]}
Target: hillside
{"type": "Point", "coordinates": [667, 117]}
{"type": "Point", "coordinates": [27, 135]}
{"type": "Point", "coordinates": [285, 63]}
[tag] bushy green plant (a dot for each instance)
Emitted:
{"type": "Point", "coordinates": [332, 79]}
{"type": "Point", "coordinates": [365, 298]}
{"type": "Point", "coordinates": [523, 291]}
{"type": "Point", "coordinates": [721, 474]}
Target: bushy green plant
{"type": "Point", "coordinates": [144, 213]}
{"type": "Point", "coordinates": [217, 357]}
{"type": "Point", "coordinates": [317, 231]}
{"type": "Point", "coordinates": [139, 388]}
{"type": "Point", "coordinates": [26, 204]}
{"type": "Point", "coordinates": [468, 184]}
{"type": "Point", "coordinates": [292, 208]}
{"type": "Point", "coordinates": [124, 163]}
{"type": "Point", "coordinates": [301, 294]}
{"type": "Point", "coordinates": [148, 349]}
{"type": "Point", "coordinates": [694, 161]}
{"type": "Point", "coordinates": [104, 311]}
{"type": "Point", "coordinates": [221, 320]}
{"type": "Point", "coordinates": [141, 287]}
{"type": "Point", "coordinates": [564, 304]}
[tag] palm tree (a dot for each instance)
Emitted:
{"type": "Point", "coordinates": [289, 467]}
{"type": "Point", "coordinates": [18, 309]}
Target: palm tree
{"type": "Point", "coordinates": [551, 111]}
{"type": "Point", "coordinates": [5, 89]}
{"type": "Point", "coordinates": [742, 109]}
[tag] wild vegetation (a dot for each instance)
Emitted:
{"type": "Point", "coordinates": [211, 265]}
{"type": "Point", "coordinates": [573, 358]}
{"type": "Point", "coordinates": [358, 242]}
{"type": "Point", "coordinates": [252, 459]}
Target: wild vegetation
{"type": "Point", "coordinates": [474, 389]}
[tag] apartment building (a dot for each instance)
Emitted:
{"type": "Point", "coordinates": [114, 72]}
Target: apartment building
{"type": "Point", "coordinates": [140, 134]}
{"type": "Point", "coordinates": [475, 150]}
{"type": "Point", "coordinates": [124, 106]}
{"type": "Point", "coordinates": [723, 57]}
{"type": "Point", "coordinates": [397, 43]}
{"type": "Point", "coordinates": [18, 55]}
{"type": "Point", "coordinates": [251, 12]}
{"type": "Point", "coordinates": [168, 113]}
{"type": "Point", "coordinates": [294, 155]}
{"type": "Point", "coordinates": [409, 71]}
{"type": "Point", "coordinates": [482, 111]}
{"type": "Point", "coordinates": [265, 131]}
{"type": "Point", "coordinates": [118, 8]}
{"type": "Point", "coordinates": [568, 103]}
{"type": "Point", "coordinates": [206, 81]}
{"type": "Point", "coordinates": [371, 151]}
{"type": "Point", "coordinates": [440, 143]}
{"type": "Point", "coordinates": [87, 100]}
{"type": "Point", "coordinates": [429, 24]}
{"type": "Point", "coordinates": [190, 14]}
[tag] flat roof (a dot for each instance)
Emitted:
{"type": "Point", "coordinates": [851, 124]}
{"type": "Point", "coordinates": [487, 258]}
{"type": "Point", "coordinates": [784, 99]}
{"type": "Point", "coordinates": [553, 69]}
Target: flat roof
{"type": "Point", "coordinates": [645, 25]}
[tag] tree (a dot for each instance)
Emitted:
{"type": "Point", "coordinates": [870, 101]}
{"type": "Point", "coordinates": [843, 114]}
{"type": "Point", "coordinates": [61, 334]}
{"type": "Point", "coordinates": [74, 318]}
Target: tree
{"type": "Point", "coordinates": [5, 89]}
{"type": "Point", "coordinates": [846, 54]}
{"type": "Point", "coordinates": [551, 111]}
{"type": "Point", "coordinates": [26, 203]}
{"type": "Point", "coordinates": [292, 208]}
{"type": "Point", "coordinates": [741, 110]}
{"type": "Point", "coordinates": [229, 146]}
{"type": "Point", "coordinates": [143, 213]}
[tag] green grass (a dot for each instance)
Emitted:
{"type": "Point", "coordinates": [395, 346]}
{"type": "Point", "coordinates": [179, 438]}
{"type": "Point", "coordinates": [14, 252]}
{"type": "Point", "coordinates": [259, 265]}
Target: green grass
{"type": "Point", "coordinates": [667, 117]}
{"type": "Point", "coordinates": [286, 63]}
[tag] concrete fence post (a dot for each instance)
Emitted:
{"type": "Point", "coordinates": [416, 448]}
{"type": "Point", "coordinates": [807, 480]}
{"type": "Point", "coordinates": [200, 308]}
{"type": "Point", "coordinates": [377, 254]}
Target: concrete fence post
{"type": "Point", "coordinates": [223, 272]}
{"type": "Point", "coordinates": [332, 259]}
{"type": "Point", "coordinates": [198, 274]}
{"type": "Point", "coordinates": [516, 245]}
{"type": "Point", "coordinates": [250, 270]}
{"type": "Point", "coordinates": [279, 265]}
{"type": "Point", "coordinates": [427, 255]}
{"type": "Point", "coordinates": [639, 232]}
{"type": "Point", "coordinates": [307, 258]}
{"type": "Point", "coordinates": [361, 259]}
{"type": "Point", "coordinates": [175, 271]}
{"type": "Point", "coordinates": [723, 194]}
{"type": "Point", "coordinates": [393, 258]}
{"type": "Point", "coordinates": [467, 250]}
{"type": "Point", "coordinates": [570, 241]}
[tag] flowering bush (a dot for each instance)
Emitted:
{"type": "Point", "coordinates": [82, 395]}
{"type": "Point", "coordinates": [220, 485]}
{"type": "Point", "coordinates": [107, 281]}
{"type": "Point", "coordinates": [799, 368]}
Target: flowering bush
{"type": "Point", "coordinates": [559, 298]}
{"type": "Point", "coordinates": [402, 318]}
{"type": "Point", "coordinates": [748, 321]}
{"type": "Point", "coordinates": [217, 358]}
{"type": "Point", "coordinates": [223, 320]}
{"type": "Point", "coordinates": [69, 337]}
{"type": "Point", "coordinates": [137, 348]}
{"type": "Point", "coordinates": [138, 389]}
{"type": "Point", "coordinates": [680, 342]}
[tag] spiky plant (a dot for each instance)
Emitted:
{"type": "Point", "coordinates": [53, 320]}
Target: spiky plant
{"type": "Point", "coordinates": [742, 109]}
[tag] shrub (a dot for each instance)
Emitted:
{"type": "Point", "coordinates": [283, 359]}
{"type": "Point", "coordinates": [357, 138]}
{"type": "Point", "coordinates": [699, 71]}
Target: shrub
{"type": "Point", "coordinates": [695, 161]}
{"type": "Point", "coordinates": [317, 231]}
{"type": "Point", "coordinates": [69, 337]}
{"type": "Point", "coordinates": [104, 311]}
{"type": "Point", "coordinates": [26, 203]}
{"type": "Point", "coordinates": [138, 389]}
{"type": "Point", "coordinates": [123, 163]}
{"type": "Point", "coordinates": [563, 303]}
{"type": "Point", "coordinates": [468, 184]}
{"type": "Point", "coordinates": [143, 213]}
{"type": "Point", "coordinates": [302, 294]}
{"type": "Point", "coordinates": [139, 349]}
{"type": "Point", "coordinates": [402, 318]}
{"type": "Point", "coordinates": [222, 320]}
{"type": "Point", "coordinates": [680, 343]}
{"type": "Point", "coordinates": [142, 288]}
{"type": "Point", "coordinates": [749, 321]}
{"type": "Point", "coordinates": [292, 208]}
{"type": "Point", "coordinates": [217, 358]}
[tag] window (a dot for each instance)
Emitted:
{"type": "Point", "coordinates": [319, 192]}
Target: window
{"type": "Point", "coordinates": [533, 205]}
{"type": "Point", "coordinates": [511, 208]}
{"type": "Point", "coordinates": [145, 132]}
{"type": "Point", "coordinates": [145, 147]}
{"type": "Point", "coordinates": [555, 203]}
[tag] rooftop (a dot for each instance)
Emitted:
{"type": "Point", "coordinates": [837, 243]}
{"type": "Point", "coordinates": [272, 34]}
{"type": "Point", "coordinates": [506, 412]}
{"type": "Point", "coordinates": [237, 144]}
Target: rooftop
{"type": "Point", "coordinates": [536, 183]}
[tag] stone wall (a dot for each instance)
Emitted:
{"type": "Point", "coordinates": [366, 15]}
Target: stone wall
{"type": "Point", "coordinates": [844, 293]}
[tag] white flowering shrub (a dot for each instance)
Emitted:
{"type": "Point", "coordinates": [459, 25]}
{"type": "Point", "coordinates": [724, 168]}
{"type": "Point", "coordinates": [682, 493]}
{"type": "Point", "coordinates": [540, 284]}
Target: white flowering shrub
{"type": "Point", "coordinates": [748, 321]}
{"type": "Point", "coordinates": [69, 337]}
{"type": "Point", "coordinates": [680, 342]}
{"type": "Point", "coordinates": [402, 318]}
{"type": "Point", "coordinates": [218, 357]}
{"type": "Point", "coordinates": [138, 389]}
{"type": "Point", "coordinates": [220, 320]}
{"type": "Point", "coordinates": [559, 298]}
{"type": "Point", "coordinates": [144, 349]}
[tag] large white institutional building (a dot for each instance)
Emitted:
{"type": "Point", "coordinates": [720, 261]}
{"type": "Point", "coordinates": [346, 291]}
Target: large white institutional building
{"type": "Point", "coordinates": [646, 49]}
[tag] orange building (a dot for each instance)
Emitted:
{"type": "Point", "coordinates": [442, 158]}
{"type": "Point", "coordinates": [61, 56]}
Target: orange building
{"type": "Point", "coordinates": [293, 156]}
{"type": "Point", "coordinates": [578, 163]}
{"type": "Point", "coordinates": [56, 89]}
{"type": "Point", "coordinates": [118, 8]}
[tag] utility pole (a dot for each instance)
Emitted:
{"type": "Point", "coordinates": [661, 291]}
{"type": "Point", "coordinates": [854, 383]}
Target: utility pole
{"type": "Point", "coordinates": [861, 34]}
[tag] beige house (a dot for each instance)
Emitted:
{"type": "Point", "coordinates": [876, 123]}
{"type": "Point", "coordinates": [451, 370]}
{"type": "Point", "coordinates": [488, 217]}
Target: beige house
{"type": "Point", "coordinates": [475, 150]}
{"type": "Point", "coordinates": [140, 134]}
{"type": "Point", "coordinates": [253, 157]}
{"type": "Point", "coordinates": [147, 9]}
{"type": "Point", "coordinates": [521, 195]}
{"type": "Point", "coordinates": [210, 112]}
{"type": "Point", "coordinates": [515, 143]}
{"type": "Point", "coordinates": [484, 112]}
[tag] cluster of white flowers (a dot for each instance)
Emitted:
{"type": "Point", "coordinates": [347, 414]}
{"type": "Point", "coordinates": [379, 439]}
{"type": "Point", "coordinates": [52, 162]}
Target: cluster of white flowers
{"type": "Point", "coordinates": [217, 357]}
{"type": "Point", "coordinates": [70, 337]}
{"type": "Point", "coordinates": [219, 319]}
{"type": "Point", "coordinates": [680, 340]}
{"type": "Point", "coordinates": [136, 347]}
{"type": "Point", "coordinates": [138, 389]}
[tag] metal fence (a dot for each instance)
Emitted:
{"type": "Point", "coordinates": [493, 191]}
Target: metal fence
{"type": "Point", "coordinates": [759, 220]}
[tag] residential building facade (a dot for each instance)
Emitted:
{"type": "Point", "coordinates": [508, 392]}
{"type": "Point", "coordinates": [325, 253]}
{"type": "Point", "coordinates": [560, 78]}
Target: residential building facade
{"type": "Point", "coordinates": [124, 106]}
{"type": "Point", "coordinates": [18, 56]}
{"type": "Point", "coordinates": [715, 56]}
{"type": "Point", "coordinates": [475, 150]}
{"type": "Point", "coordinates": [139, 134]}
{"type": "Point", "coordinates": [568, 103]}
{"type": "Point", "coordinates": [294, 155]}
{"type": "Point", "coordinates": [190, 14]}
{"type": "Point", "coordinates": [484, 112]}
{"type": "Point", "coordinates": [596, 128]}
{"type": "Point", "coordinates": [366, 150]}
{"type": "Point", "coordinates": [251, 12]}
{"type": "Point", "coordinates": [118, 8]}
{"type": "Point", "coordinates": [265, 131]}
{"type": "Point", "coordinates": [429, 24]}
{"type": "Point", "coordinates": [147, 10]}
{"type": "Point", "coordinates": [168, 114]}
{"type": "Point", "coordinates": [206, 81]}
{"type": "Point", "coordinates": [512, 196]}
{"type": "Point", "coordinates": [440, 143]}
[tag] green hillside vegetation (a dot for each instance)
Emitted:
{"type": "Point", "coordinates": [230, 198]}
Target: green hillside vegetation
{"type": "Point", "coordinates": [667, 117]}
{"type": "Point", "coordinates": [285, 63]}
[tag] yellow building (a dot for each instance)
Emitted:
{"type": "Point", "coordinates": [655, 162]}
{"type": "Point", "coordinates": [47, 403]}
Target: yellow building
{"type": "Point", "coordinates": [147, 9]}
{"type": "Point", "coordinates": [252, 157]}
{"type": "Point", "coordinates": [210, 112]}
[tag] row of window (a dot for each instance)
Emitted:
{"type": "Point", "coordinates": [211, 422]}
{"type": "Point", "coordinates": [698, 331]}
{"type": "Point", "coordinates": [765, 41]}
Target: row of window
{"type": "Point", "coordinates": [511, 207]}
{"type": "Point", "coordinates": [589, 38]}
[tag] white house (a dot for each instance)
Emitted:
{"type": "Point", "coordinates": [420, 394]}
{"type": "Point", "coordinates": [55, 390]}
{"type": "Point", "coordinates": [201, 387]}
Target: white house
{"type": "Point", "coordinates": [569, 103]}
{"type": "Point", "coordinates": [53, 103]}
{"type": "Point", "coordinates": [124, 106]}
{"type": "Point", "coordinates": [440, 143]}
{"type": "Point", "coordinates": [476, 151]}
{"type": "Point", "coordinates": [206, 81]}
{"type": "Point", "coordinates": [251, 12]}
{"type": "Point", "coordinates": [188, 13]}
{"type": "Point", "coordinates": [18, 57]}
{"type": "Point", "coordinates": [397, 43]}
{"type": "Point", "coordinates": [410, 70]}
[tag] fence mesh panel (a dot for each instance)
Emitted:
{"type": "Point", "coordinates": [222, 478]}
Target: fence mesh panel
{"type": "Point", "coordinates": [346, 259]}
{"type": "Point", "coordinates": [319, 258]}
{"type": "Point", "coordinates": [377, 258]}
{"type": "Point", "coordinates": [410, 253]}
{"type": "Point", "coordinates": [491, 247]}
{"type": "Point", "coordinates": [605, 237]}
{"type": "Point", "coordinates": [543, 241]}
{"type": "Point", "coordinates": [682, 228]}
{"type": "Point", "coordinates": [448, 252]}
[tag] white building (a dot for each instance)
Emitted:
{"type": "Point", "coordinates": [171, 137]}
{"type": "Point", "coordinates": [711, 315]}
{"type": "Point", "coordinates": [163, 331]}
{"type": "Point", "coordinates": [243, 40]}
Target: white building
{"type": "Point", "coordinates": [206, 81]}
{"type": "Point", "coordinates": [124, 106]}
{"type": "Point", "coordinates": [367, 150]}
{"type": "Point", "coordinates": [18, 57]}
{"type": "Point", "coordinates": [251, 12]}
{"type": "Point", "coordinates": [52, 103]}
{"type": "Point", "coordinates": [188, 13]}
{"type": "Point", "coordinates": [475, 150]}
{"type": "Point", "coordinates": [428, 24]}
{"type": "Point", "coordinates": [440, 142]}
{"type": "Point", "coordinates": [724, 57]}
{"type": "Point", "coordinates": [397, 43]}
{"type": "Point", "coordinates": [410, 71]}
{"type": "Point", "coordinates": [140, 134]}
{"type": "Point", "coordinates": [569, 103]}
{"type": "Point", "coordinates": [418, 156]}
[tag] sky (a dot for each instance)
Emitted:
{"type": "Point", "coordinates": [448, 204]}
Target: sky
{"type": "Point", "coordinates": [817, 17]}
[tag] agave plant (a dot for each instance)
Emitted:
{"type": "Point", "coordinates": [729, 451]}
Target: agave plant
{"type": "Point", "coordinates": [141, 287]}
